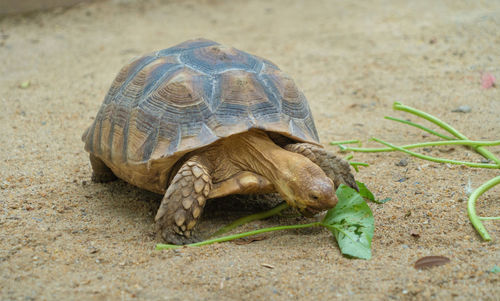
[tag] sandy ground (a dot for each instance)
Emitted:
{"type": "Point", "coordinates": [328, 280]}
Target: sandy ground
{"type": "Point", "coordinates": [64, 237]}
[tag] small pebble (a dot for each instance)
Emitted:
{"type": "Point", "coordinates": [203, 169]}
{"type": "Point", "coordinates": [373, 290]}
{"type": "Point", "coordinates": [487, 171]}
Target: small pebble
{"type": "Point", "coordinates": [462, 109]}
{"type": "Point", "coordinates": [447, 150]}
{"type": "Point", "coordinates": [403, 162]}
{"type": "Point", "coordinates": [415, 235]}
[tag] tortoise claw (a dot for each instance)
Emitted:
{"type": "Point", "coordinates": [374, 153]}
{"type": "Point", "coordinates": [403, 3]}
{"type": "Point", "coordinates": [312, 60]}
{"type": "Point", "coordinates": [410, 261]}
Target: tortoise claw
{"type": "Point", "coordinates": [173, 235]}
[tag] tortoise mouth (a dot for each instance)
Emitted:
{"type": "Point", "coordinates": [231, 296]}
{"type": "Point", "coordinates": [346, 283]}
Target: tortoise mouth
{"type": "Point", "coordinates": [309, 212]}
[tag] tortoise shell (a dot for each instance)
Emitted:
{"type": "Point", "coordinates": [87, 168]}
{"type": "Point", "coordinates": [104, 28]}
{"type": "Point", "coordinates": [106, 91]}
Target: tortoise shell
{"type": "Point", "coordinates": [165, 104]}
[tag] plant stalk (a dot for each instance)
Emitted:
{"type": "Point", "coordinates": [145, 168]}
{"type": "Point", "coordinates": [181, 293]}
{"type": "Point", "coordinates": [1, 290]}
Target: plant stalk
{"type": "Point", "coordinates": [236, 236]}
{"type": "Point", "coordinates": [345, 142]}
{"type": "Point", "coordinates": [419, 126]}
{"type": "Point", "coordinates": [471, 207]}
{"type": "Point", "coordinates": [439, 160]}
{"type": "Point", "coordinates": [251, 218]}
{"type": "Point", "coordinates": [445, 126]}
{"type": "Point", "coordinates": [417, 145]}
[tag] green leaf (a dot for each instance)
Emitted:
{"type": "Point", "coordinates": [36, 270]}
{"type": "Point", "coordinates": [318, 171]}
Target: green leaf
{"type": "Point", "coordinates": [368, 195]}
{"type": "Point", "coordinates": [351, 221]}
{"type": "Point", "coordinates": [365, 192]}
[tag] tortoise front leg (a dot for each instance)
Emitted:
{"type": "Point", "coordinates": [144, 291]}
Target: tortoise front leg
{"type": "Point", "coordinates": [335, 168]}
{"type": "Point", "coordinates": [244, 182]}
{"type": "Point", "coordinates": [183, 203]}
{"type": "Point", "coordinates": [100, 172]}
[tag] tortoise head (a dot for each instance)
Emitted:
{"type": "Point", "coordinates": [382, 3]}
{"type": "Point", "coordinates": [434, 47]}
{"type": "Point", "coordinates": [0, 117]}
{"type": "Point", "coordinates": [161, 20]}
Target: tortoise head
{"type": "Point", "coordinates": [306, 187]}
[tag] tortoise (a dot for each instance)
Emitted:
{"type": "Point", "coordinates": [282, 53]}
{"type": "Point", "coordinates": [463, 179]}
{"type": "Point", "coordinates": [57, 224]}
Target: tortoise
{"type": "Point", "coordinates": [199, 121]}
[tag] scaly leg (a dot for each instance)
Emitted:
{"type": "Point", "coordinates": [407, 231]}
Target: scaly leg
{"type": "Point", "coordinates": [335, 168]}
{"type": "Point", "coordinates": [244, 182]}
{"type": "Point", "coordinates": [101, 173]}
{"type": "Point", "coordinates": [183, 202]}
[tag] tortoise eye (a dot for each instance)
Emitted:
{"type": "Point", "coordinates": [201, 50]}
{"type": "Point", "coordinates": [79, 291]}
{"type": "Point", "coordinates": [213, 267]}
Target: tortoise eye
{"type": "Point", "coordinates": [314, 197]}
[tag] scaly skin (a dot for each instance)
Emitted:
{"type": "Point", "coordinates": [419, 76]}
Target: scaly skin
{"type": "Point", "coordinates": [183, 203]}
{"type": "Point", "coordinates": [335, 168]}
{"type": "Point", "coordinates": [100, 172]}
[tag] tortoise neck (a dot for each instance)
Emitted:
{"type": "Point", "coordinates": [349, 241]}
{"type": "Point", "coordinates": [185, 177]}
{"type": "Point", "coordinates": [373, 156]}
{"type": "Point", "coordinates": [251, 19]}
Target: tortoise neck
{"type": "Point", "coordinates": [254, 151]}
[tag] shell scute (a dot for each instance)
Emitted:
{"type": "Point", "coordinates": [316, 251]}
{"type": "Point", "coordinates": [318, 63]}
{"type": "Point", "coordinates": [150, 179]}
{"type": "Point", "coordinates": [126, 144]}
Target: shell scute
{"type": "Point", "coordinates": [293, 102]}
{"type": "Point", "coordinates": [126, 74]}
{"type": "Point", "coordinates": [141, 135]}
{"type": "Point", "coordinates": [187, 45]}
{"type": "Point", "coordinates": [216, 58]}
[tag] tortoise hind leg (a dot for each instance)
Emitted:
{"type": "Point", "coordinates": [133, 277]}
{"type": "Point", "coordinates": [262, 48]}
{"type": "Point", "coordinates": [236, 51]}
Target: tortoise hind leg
{"type": "Point", "coordinates": [183, 203]}
{"type": "Point", "coordinates": [335, 168]}
{"type": "Point", "coordinates": [101, 173]}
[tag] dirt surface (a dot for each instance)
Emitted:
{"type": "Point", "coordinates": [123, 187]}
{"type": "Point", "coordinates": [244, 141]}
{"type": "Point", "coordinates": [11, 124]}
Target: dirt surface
{"type": "Point", "coordinates": [64, 237]}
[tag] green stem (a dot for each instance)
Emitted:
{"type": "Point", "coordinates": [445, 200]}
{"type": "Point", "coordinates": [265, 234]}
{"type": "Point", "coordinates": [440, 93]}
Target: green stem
{"type": "Point", "coordinates": [345, 142]}
{"type": "Point", "coordinates": [349, 157]}
{"type": "Point", "coordinates": [471, 207]}
{"type": "Point", "coordinates": [489, 218]}
{"type": "Point", "coordinates": [439, 160]}
{"type": "Point", "coordinates": [422, 144]}
{"type": "Point", "coordinates": [354, 163]}
{"type": "Point", "coordinates": [251, 218]}
{"type": "Point", "coordinates": [236, 236]}
{"type": "Point", "coordinates": [420, 127]}
{"type": "Point", "coordinates": [445, 126]}
{"type": "Point", "coordinates": [487, 154]}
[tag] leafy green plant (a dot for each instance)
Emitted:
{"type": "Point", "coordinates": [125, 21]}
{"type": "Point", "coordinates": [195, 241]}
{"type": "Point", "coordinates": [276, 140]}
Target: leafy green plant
{"type": "Point", "coordinates": [456, 138]}
{"type": "Point", "coordinates": [351, 222]}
